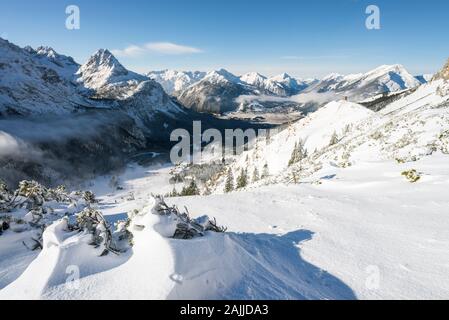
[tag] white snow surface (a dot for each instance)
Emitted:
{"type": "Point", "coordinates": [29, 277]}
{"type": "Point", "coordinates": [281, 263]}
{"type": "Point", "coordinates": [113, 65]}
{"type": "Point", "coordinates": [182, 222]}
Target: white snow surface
{"type": "Point", "coordinates": [366, 233]}
{"type": "Point", "coordinates": [352, 227]}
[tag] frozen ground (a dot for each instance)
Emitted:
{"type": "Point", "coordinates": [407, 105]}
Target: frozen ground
{"type": "Point", "coordinates": [365, 232]}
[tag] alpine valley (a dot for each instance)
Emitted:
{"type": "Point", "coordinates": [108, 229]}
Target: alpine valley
{"type": "Point", "coordinates": [346, 198]}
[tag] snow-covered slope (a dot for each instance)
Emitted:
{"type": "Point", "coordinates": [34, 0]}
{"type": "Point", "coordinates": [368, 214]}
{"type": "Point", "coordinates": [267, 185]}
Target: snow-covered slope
{"type": "Point", "coordinates": [341, 134]}
{"type": "Point", "coordinates": [365, 233]}
{"type": "Point", "coordinates": [215, 93]}
{"type": "Point", "coordinates": [316, 131]}
{"type": "Point", "coordinates": [173, 81]}
{"type": "Point", "coordinates": [37, 82]}
{"type": "Point", "coordinates": [444, 73]}
{"type": "Point", "coordinates": [232, 265]}
{"type": "Point", "coordinates": [345, 222]}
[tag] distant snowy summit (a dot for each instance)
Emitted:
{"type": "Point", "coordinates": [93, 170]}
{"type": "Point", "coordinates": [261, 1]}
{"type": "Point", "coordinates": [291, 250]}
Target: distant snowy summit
{"type": "Point", "coordinates": [175, 81]}
{"type": "Point", "coordinates": [218, 91]}
{"type": "Point", "coordinates": [384, 79]}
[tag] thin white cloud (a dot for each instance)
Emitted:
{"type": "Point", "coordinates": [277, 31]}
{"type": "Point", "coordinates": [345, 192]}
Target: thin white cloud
{"type": "Point", "coordinates": [168, 48]}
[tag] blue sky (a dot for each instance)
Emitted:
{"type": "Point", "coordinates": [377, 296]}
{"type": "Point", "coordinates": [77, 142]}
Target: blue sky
{"type": "Point", "coordinates": [303, 38]}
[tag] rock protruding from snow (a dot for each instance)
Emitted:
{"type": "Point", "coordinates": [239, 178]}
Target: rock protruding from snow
{"type": "Point", "coordinates": [140, 96]}
{"type": "Point", "coordinates": [444, 73]}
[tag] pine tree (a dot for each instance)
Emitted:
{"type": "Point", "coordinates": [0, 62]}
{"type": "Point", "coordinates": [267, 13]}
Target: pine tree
{"type": "Point", "coordinates": [292, 160]}
{"type": "Point", "coordinates": [334, 139]}
{"type": "Point", "coordinates": [265, 171]}
{"type": "Point", "coordinates": [242, 180]}
{"type": "Point", "coordinates": [256, 175]}
{"type": "Point", "coordinates": [299, 153]}
{"type": "Point", "coordinates": [190, 190]}
{"type": "Point", "coordinates": [229, 186]}
{"type": "Point", "coordinates": [174, 192]}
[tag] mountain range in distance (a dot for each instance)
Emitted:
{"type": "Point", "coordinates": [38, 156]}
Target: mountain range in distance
{"type": "Point", "coordinates": [220, 91]}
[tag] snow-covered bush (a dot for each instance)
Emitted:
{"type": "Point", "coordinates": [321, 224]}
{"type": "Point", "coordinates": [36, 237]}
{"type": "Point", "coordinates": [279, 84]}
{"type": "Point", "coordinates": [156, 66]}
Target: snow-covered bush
{"type": "Point", "coordinates": [5, 197]}
{"type": "Point", "coordinates": [185, 226]}
{"type": "Point", "coordinates": [123, 238]}
{"type": "Point", "coordinates": [93, 222]}
{"type": "Point", "coordinates": [412, 175]}
{"type": "Point", "coordinates": [89, 197]}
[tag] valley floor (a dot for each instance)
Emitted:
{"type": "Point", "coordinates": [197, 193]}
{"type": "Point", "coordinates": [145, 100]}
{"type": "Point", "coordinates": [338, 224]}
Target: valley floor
{"type": "Point", "coordinates": [364, 233]}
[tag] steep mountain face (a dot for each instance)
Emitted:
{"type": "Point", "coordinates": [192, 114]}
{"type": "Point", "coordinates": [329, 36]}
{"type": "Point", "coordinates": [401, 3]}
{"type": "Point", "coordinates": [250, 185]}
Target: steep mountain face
{"type": "Point", "coordinates": [41, 81]}
{"type": "Point", "coordinates": [110, 81]}
{"type": "Point", "coordinates": [174, 81]}
{"type": "Point", "coordinates": [103, 69]}
{"type": "Point", "coordinates": [37, 82]}
{"type": "Point", "coordinates": [383, 79]}
{"type": "Point", "coordinates": [216, 93]}
{"type": "Point", "coordinates": [282, 85]}
{"type": "Point", "coordinates": [287, 84]}
{"type": "Point", "coordinates": [60, 118]}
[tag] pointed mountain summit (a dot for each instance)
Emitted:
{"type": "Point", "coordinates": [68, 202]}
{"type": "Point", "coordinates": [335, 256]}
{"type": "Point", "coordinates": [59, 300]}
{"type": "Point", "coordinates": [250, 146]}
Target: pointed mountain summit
{"type": "Point", "coordinates": [103, 69]}
{"type": "Point", "coordinates": [221, 75]}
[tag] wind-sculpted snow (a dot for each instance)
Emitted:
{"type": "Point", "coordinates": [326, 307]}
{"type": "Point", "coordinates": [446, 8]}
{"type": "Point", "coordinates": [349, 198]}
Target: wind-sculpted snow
{"type": "Point", "coordinates": [215, 266]}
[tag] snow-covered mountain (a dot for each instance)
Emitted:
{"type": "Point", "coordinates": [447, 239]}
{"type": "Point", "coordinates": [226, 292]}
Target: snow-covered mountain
{"type": "Point", "coordinates": [37, 82]}
{"type": "Point", "coordinates": [215, 93]}
{"type": "Point", "coordinates": [282, 85]}
{"type": "Point", "coordinates": [61, 117]}
{"type": "Point", "coordinates": [384, 79]}
{"type": "Point", "coordinates": [103, 69]}
{"type": "Point", "coordinates": [218, 91]}
{"type": "Point", "coordinates": [173, 81]}
{"type": "Point", "coordinates": [42, 81]}
{"type": "Point", "coordinates": [342, 134]}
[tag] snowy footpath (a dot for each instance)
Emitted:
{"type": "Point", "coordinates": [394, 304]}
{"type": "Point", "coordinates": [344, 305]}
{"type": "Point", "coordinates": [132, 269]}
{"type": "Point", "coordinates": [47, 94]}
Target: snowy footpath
{"type": "Point", "coordinates": [364, 233]}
